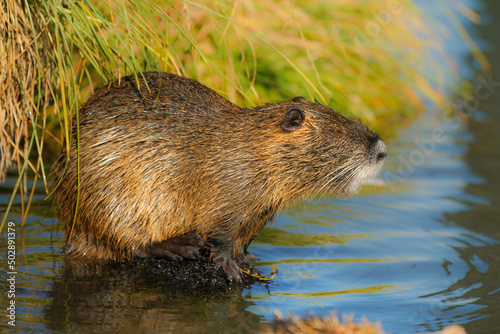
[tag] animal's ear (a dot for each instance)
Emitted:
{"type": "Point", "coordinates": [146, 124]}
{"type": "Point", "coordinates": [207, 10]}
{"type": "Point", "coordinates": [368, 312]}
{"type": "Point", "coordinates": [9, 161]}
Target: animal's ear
{"type": "Point", "coordinates": [299, 99]}
{"type": "Point", "coordinates": [293, 120]}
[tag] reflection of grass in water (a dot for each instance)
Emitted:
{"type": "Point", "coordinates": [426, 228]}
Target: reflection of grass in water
{"type": "Point", "coordinates": [324, 260]}
{"type": "Point", "coordinates": [370, 289]}
{"type": "Point", "coordinates": [328, 211]}
{"type": "Point", "coordinates": [363, 57]}
{"type": "Point", "coordinates": [279, 237]}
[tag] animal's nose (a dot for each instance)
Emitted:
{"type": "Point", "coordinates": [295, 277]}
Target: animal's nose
{"type": "Point", "coordinates": [379, 150]}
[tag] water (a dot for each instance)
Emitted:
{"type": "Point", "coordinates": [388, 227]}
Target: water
{"type": "Point", "coordinates": [417, 254]}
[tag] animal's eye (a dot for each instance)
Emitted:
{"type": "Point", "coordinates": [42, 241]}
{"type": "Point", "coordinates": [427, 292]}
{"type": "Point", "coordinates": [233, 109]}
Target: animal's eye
{"type": "Point", "coordinates": [335, 133]}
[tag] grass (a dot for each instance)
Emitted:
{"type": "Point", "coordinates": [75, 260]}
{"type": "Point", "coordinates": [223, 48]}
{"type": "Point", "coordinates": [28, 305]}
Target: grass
{"type": "Point", "coordinates": [374, 59]}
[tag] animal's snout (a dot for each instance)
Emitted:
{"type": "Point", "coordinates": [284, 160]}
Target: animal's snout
{"type": "Point", "coordinates": [379, 151]}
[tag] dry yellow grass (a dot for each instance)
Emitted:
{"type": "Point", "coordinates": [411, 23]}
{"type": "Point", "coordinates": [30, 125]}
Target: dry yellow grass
{"type": "Point", "coordinates": [24, 97]}
{"type": "Point", "coordinates": [313, 324]}
{"type": "Point", "coordinates": [331, 324]}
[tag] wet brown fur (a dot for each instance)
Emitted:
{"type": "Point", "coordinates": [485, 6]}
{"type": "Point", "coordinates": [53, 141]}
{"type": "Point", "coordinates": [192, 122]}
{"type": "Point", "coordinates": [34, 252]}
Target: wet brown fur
{"type": "Point", "coordinates": [173, 159]}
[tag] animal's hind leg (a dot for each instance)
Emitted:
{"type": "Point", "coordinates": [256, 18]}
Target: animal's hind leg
{"type": "Point", "coordinates": [185, 246]}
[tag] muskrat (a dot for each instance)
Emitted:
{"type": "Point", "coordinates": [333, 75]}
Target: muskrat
{"type": "Point", "coordinates": [165, 166]}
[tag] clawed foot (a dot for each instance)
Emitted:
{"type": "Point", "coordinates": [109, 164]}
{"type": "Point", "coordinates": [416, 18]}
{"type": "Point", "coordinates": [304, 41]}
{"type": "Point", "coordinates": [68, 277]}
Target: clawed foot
{"type": "Point", "coordinates": [252, 271]}
{"type": "Point", "coordinates": [186, 246]}
{"type": "Point", "coordinates": [233, 268]}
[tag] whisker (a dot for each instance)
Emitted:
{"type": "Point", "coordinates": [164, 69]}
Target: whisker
{"type": "Point", "coordinates": [346, 169]}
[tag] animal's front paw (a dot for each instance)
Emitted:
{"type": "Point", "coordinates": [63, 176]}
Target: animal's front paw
{"type": "Point", "coordinates": [252, 271]}
{"type": "Point", "coordinates": [232, 270]}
